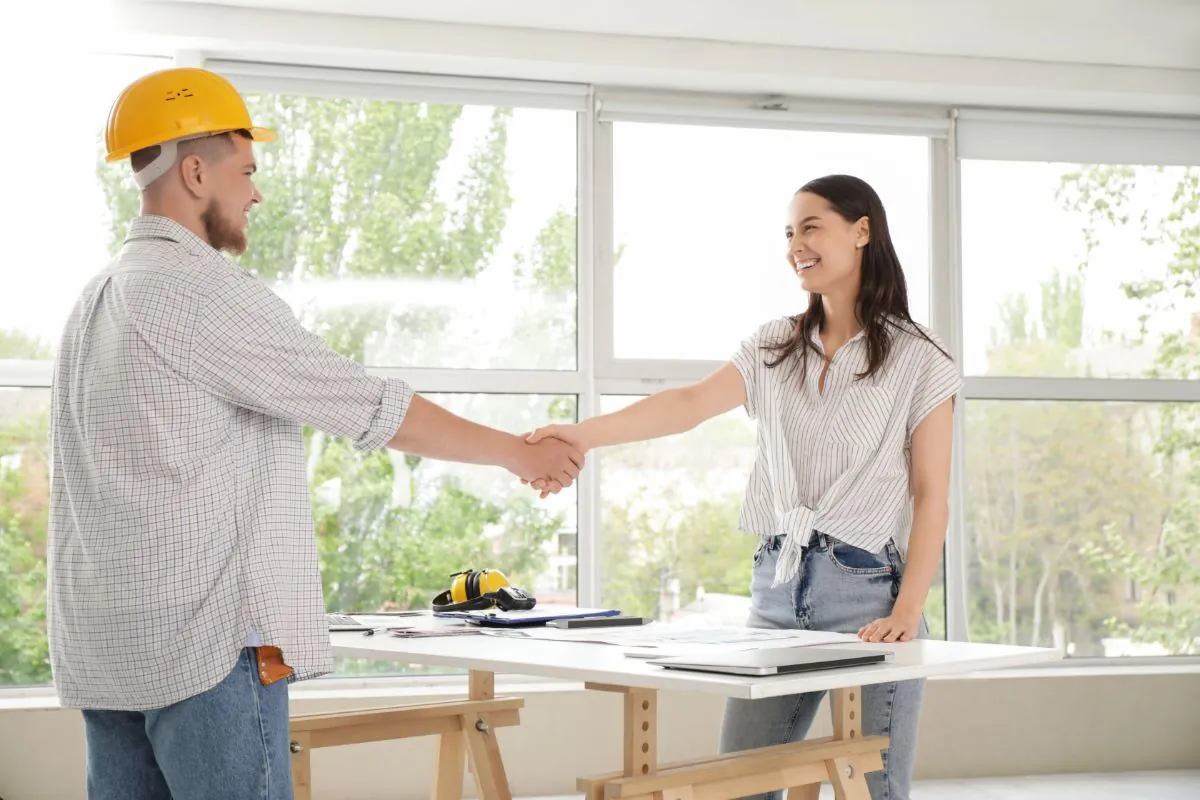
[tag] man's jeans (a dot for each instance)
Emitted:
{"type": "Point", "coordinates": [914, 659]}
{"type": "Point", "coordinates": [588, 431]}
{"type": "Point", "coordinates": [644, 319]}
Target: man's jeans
{"type": "Point", "coordinates": [229, 743]}
{"type": "Point", "coordinates": [840, 588]}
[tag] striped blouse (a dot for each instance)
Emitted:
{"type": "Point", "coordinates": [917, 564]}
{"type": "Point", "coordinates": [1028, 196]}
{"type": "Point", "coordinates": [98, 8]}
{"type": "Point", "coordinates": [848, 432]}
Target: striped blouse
{"type": "Point", "coordinates": [837, 462]}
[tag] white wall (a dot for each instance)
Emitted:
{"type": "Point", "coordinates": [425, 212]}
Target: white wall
{"type": "Point", "coordinates": [994, 726]}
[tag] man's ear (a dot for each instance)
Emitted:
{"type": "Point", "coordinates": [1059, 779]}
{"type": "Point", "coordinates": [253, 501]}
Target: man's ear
{"type": "Point", "coordinates": [197, 178]}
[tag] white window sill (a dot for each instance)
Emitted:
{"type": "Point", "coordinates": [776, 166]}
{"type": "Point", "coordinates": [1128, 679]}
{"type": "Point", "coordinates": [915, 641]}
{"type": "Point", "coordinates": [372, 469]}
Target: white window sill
{"type": "Point", "coordinates": [418, 689]}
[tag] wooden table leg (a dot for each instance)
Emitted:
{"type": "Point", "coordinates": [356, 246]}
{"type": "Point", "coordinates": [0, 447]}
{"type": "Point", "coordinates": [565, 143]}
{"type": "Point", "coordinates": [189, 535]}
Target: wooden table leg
{"type": "Point", "coordinates": [848, 775]}
{"type": "Point", "coordinates": [641, 732]}
{"type": "Point", "coordinates": [482, 685]}
{"type": "Point", "coordinates": [847, 713]}
{"type": "Point", "coordinates": [641, 727]}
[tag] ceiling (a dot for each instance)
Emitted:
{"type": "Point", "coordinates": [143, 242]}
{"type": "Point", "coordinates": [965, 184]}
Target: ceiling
{"type": "Point", "coordinates": [1144, 33]}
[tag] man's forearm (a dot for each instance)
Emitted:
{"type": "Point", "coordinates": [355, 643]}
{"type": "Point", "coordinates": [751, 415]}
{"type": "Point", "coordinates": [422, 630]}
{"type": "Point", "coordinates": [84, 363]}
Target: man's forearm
{"type": "Point", "coordinates": [433, 432]}
{"type": "Point", "coordinates": [930, 518]}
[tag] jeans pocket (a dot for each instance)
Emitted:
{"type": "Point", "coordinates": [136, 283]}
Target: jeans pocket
{"type": "Point", "coordinates": [766, 545]}
{"type": "Point", "coordinates": [857, 561]}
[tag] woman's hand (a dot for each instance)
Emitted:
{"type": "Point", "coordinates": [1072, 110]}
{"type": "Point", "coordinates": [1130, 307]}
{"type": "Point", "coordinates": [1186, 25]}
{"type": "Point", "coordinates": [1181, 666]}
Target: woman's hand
{"type": "Point", "coordinates": [899, 626]}
{"type": "Point", "coordinates": [567, 433]}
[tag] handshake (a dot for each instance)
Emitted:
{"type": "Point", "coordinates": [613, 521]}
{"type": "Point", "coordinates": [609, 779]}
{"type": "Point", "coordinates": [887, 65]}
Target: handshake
{"type": "Point", "coordinates": [550, 458]}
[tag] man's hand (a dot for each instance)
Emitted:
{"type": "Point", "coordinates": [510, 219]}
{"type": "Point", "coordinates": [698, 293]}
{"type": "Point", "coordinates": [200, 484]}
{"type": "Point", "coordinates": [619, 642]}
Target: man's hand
{"type": "Point", "coordinates": [550, 465]}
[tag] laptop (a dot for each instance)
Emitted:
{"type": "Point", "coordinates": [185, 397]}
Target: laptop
{"type": "Point", "coordinates": [775, 660]}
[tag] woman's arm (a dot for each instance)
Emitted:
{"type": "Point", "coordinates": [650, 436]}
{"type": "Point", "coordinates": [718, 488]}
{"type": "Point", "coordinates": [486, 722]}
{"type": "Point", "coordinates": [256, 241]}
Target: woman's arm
{"type": "Point", "coordinates": [931, 443]}
{"type": "Point", "coordinates": [663, 413]}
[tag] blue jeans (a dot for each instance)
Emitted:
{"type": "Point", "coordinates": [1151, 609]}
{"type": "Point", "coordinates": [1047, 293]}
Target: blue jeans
{"type": "Point", "coordinates": [230, 742]}
{"type": "Point", "coordinates": [840, 588]}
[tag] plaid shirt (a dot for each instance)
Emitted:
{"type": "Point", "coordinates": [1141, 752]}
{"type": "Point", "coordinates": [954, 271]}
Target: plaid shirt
{"type": "Point", "coordinates": [180, 522]}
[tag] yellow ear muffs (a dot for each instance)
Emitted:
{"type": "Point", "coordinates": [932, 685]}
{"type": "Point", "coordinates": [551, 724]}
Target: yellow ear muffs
{"type": "Point", "coordinates": [472, 584]}
{"type": "Point", "coordinates": [474, 590]}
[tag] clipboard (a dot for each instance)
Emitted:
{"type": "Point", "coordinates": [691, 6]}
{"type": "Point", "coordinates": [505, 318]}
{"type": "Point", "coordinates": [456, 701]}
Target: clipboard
{"type": "Point", "coordinates": [540, 615]}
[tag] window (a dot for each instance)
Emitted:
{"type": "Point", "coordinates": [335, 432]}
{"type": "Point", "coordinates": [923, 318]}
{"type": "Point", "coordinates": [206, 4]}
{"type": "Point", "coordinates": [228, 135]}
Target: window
{"type": "Point", "coordinates": [62, 214]}
{"type": "Point", "coordinates": [1081, 496]}
{"type": "Point", "coordinates": [698, 226]}
{"type": "Point", "coordinates": [1082, 524]}
{"type": "Point", "coordinates": [669, 512]}
{"type": "Point", "coordinates": [24, 505]}
{"type": "Point", "coordinates": [1079, 270]}
{"type": "Point", "coordinates": [417, 234]}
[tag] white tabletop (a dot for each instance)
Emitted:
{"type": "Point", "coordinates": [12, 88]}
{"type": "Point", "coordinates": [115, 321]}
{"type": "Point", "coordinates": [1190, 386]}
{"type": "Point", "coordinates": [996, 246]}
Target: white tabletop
{"type": "Point", "coordinates": [604, 663]}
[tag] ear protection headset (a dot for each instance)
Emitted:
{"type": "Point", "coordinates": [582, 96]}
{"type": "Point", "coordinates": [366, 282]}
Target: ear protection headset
{"type": "Point", "coordinates": [474, 590]}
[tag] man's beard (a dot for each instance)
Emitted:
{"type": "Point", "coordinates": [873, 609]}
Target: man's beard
{"type": "Point", "coordinates": [222, 234]}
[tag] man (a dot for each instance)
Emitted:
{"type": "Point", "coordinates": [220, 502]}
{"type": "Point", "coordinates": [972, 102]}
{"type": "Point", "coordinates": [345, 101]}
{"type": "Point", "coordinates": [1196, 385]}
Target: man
{"type": "Point", "coordinates": [184, 593]}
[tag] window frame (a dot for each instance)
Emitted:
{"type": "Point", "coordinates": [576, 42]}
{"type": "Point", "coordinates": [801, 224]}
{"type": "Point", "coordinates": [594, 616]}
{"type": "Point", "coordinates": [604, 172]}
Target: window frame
{"type": "Point", "coordinates": [599, 373]}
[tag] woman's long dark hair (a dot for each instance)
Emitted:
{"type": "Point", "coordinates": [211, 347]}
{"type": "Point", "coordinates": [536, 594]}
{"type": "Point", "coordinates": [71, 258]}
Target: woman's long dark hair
{"type": "Point", "coordinates": [883, 293]}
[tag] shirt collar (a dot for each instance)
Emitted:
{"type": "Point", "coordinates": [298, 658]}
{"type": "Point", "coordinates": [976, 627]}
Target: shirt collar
{"type": "Point", "coordinates": [816, 339]}
{"type": "Point", "coordinates": [150, 226]}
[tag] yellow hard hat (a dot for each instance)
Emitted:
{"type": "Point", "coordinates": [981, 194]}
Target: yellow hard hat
{"type": "Point", "coordinates": [175, 104]}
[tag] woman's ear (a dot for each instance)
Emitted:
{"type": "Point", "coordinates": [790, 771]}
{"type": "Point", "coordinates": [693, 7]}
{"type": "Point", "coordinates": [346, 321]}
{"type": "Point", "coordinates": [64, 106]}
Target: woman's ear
{"type": "Point", "coordinates": [862, 232]}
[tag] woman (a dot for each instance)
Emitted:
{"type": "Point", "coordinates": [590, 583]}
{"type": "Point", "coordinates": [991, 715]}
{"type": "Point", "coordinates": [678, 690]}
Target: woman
{"type": "Point", "coordinates": [848, 494]}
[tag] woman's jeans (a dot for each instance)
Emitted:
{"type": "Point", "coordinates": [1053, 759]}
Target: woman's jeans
{"type": "Point", "coordinates": [840, 588]}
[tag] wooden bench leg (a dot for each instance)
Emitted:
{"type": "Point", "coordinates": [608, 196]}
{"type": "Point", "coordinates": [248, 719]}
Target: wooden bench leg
{"type": "Point", "coordinates": [488, 767]}
{"type": "Point", "coordinates": [848, 779]}
{"type": "Point", "coordinates": [463, 728]}
{"type": "Point", "coordinates": [810, 791]}
{"type": "Point", "coordinates": [451, 761]}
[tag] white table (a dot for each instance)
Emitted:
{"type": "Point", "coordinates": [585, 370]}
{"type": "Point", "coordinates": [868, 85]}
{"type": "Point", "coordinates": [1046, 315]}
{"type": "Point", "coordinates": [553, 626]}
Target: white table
{"type": "Point", "coordinates": [841, 759]}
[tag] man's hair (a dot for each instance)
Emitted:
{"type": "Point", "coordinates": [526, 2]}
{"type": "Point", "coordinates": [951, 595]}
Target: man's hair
{"type": "Point", "coordinates": [213, 148]}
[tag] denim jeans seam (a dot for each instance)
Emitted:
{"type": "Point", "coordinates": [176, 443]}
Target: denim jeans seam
{"type": "Point", "coordinates": [887, 731]}
{"type": "Point", "coordinates": [867, 571]}
{"type": "Point", "coordinates": [795, 715]}
{"type": "Point", "coordinates": [252, 669]}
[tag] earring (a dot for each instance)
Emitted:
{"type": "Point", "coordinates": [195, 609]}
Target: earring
{"type": "Point", "coordinates": [860, 245]}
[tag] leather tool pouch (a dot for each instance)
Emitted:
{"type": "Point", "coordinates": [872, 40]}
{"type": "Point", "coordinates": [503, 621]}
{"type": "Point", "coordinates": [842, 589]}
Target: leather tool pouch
{"type": "Point", "coordinates": [270, 665]}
